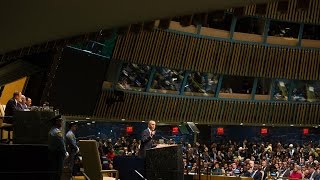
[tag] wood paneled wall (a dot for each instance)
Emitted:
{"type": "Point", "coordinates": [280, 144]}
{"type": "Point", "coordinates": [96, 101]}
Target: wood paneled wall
{"type": "Point", "coordinates": [294, 14]}
{"type": "Point", "coordinates": [139, 106]}
{"type": "Point", "coordinates": [10, 88]}
{"type": "Point", "coordinates": [186, 52]}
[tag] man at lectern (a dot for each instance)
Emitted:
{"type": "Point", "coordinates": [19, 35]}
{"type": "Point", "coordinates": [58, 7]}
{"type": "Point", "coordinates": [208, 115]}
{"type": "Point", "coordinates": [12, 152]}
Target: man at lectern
{"type": "Point", "coordinates": [147, 138]}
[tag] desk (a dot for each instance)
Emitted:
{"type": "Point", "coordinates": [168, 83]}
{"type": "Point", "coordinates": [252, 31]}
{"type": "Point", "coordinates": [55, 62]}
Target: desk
{"type": "Point", "coordinates": [31, 127]}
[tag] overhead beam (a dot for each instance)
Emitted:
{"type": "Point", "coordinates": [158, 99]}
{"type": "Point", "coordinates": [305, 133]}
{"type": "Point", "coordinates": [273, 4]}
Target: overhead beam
{"type": "Point", "coordinates": [26, 23]}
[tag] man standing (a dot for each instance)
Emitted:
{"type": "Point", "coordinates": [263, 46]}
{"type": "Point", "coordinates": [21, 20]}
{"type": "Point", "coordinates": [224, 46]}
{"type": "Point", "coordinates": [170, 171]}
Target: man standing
{"type": "Point", "coordinates": [11, 106]}
{"type": "Point", "coordinates": [147, 138]}
{"type": "Point", "coordinates": [57, 149]}
{"type": "Point", "coordinates": [72, 147]}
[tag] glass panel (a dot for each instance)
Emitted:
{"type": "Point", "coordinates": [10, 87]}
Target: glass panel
{"type": "Point", "coordinates": [281, 89]}
{"type": "Point", "coordinates": [134, 77]}
{"type": "Point", "coordinates": [250, 25]}
{"type": "Point", "coordinates": [201, 84]}
{"type": "Point", "coordinates": [219, 20]}
{"type": "Point", "coordinates": [311, 32]}
{"type": "Point", "coordinates": [299, 92]}
{"type": "Point", "coordinates": [263, 86]}
{"type": "Point", "coordinates": [306, 91]}
{"type": "Point", "coordinates": [313, 91]}
{"type": "Point", "coordinates": [284, 29]}
{"type": "Point", "coordinates": [236, 87]}
{"type": "Point", "coordinates": [263, 89]}
{"type": "Point", "coordinates": [167, 80]}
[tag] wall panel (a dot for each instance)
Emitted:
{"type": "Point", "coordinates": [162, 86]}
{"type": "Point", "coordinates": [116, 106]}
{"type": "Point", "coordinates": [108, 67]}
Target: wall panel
{"type": "Point", "coordinates": [186, 52]}
{"type": "Point", "coordinates": [139, 106]}
{"type": "Point", "coordinates": [310, 15]}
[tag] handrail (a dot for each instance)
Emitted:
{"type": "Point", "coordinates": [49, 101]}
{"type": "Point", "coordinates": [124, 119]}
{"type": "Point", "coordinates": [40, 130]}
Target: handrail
{"type": "Point", "coordinates": [207, 97]}
{"type": "Point", "coordinates": [177, 109]}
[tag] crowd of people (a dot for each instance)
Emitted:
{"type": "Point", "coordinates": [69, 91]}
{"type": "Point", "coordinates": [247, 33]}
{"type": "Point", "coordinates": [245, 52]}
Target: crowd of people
{"type": "Point", "coordinates": [256, 160]}
{"type": "Point", "coordinates": [259, 160]}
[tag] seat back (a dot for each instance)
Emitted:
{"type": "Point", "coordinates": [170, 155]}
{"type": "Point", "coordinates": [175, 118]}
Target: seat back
{"type": "Point", "coordinates": [91, 159]}
{"type": "Point", "coordinates": [2, 108]}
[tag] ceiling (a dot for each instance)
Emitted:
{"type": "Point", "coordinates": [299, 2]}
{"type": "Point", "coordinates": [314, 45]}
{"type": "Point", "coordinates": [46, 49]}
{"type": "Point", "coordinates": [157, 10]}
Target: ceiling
{"type": "Point", "coordinates": [26, 23]}
{"type": "Point", "coordinates": [16, 70]}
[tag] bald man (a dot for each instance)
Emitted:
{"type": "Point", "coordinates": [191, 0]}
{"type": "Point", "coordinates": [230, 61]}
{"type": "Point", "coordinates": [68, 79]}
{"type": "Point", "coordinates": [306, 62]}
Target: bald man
{"type": "Point", "coordinates": [147, 138]}
{"type": "Point", "coordinates": [22, 104]}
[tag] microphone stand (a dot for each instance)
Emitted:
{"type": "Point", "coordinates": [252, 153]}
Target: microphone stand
{"type": "Point", "coordinates": [140, 174]}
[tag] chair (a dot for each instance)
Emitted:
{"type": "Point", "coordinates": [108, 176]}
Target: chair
{"type": "Point", "coordinates": [4, 126]}
{"type": "Point", "coordinates": [91, 162]}
{"type": "Point", "coordinates": [2, 108]}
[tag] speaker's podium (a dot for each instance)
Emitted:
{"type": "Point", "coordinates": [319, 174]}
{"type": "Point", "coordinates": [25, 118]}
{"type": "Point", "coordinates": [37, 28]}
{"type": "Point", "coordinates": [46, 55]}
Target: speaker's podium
{"type": "Point", "coordinates": [31, 127]}
{"type": "Point", "coordinates": [164, 162]}
{"type": "Point", "coordinates": [27, 158]}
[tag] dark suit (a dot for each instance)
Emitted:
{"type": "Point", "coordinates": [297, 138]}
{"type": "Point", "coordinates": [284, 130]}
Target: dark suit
{"type": "Point", "coordinates": [314, 176]}
{"type": "Point", "coordinates": [256, 175]}
{"type": "Point", "coordinates": [285, 173]}
{"type": "Point", "coordinates": [146, 142]}
{"type": "Point", "coordinates": [266, 170]}
{"type": "Point", "coordinates": [57, 153]}
{"type": "Point", "coordinates": [72, 148]}
{"type": "Point", "coordinates": [11, 106]}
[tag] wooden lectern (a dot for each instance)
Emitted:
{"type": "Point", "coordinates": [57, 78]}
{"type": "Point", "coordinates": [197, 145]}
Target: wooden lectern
{"type": "Point", "coordinates": [31, 127]}
{"type": "Point", "coordinates": [164, 162]}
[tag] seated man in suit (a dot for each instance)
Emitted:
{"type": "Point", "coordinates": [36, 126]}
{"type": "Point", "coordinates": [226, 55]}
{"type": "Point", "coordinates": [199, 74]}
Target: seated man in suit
{"type": "Point", "coordinates": [28, 102]}
{"type": "Point", "coordinates": [147, 138]}
{"type": "Point", "coordinates": [22, 104]}
{"type": "Point", "coordinates": [313, 174]}
{"type": "Point", "coordinates": [256, 173]}
{"type": "Point", "coordinates": [12, 105]}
